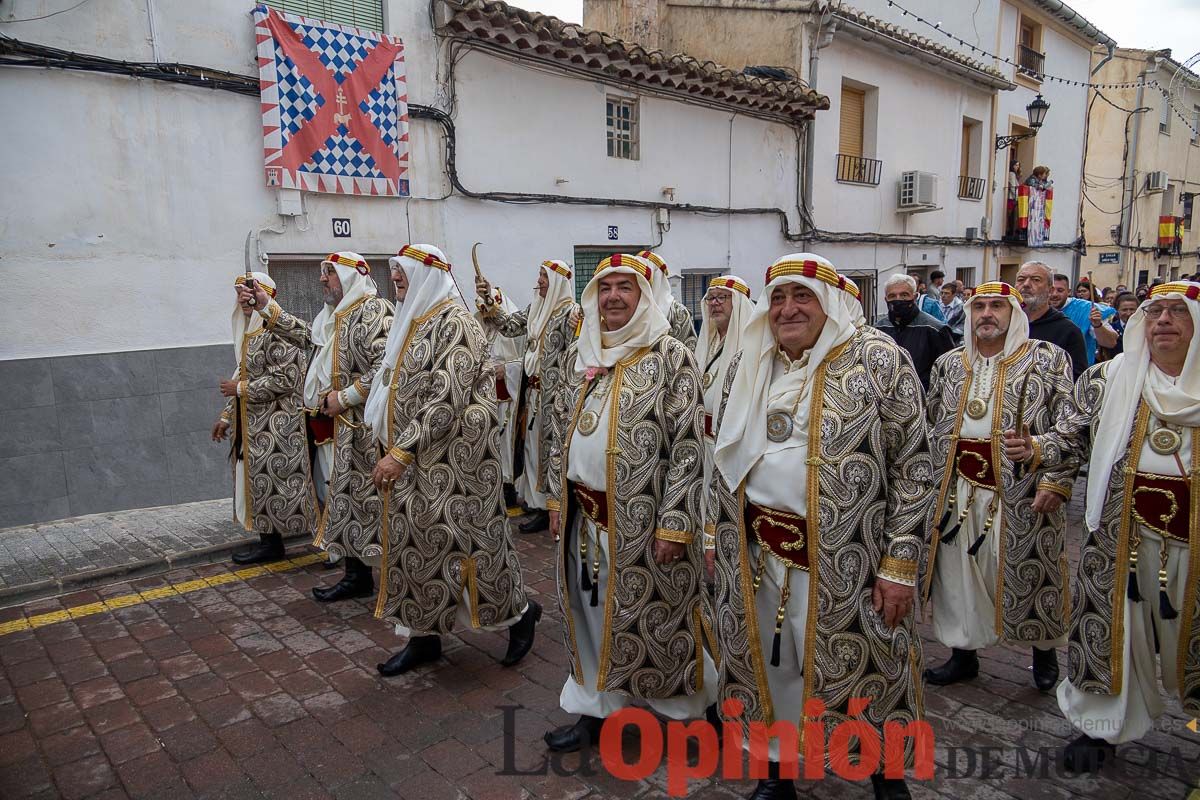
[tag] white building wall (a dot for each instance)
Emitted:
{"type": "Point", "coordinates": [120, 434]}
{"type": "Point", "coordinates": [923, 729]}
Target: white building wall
{"type": "Point", "coordinates": [138, 195]}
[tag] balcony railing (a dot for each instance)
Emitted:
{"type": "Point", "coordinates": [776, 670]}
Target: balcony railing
{"type": "Point", "coordinates": [856, 169]}
{"type": "Point", "coordinates": [971, 188]}
{"type": "Point", "coordinates": [1031, 62]}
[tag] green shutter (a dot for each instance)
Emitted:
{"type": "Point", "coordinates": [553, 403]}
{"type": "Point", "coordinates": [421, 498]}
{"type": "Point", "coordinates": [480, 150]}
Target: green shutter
{"type": "Point", "coordinates": [367, 14]}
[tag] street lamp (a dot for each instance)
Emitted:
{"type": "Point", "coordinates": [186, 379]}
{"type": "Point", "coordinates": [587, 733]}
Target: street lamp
{"type": "Point", "coordinates": [1037, 115]}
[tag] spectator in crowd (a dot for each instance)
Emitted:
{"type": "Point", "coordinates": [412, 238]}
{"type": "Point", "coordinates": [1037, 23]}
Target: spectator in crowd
{"type": "Point", "coordinates": [1047, 323]}
{"type": "Point", "coordinates": [952, 309]}
{"type": "Point", "coordinates": [1080, 311]}
{"type": "Point", "coordinates": [1125, 303]}
{"type": "Point", "coordinates": [924, 337]}
{"type": "Point", "coordinates": [926, 302]}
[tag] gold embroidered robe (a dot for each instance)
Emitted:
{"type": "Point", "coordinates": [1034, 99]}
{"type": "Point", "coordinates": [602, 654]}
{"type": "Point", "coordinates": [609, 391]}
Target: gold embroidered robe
{"type": "Point", "coordinates": [869, 483]}
{"type": "Point", "coordinates": [267, 424]}
{"type": "Point", "coordinates": [651, 646]}
{"type": "Point", "coordinates": [1095, 651]}
{"type": "Point", "coordinates": [553, 344]}
{"type": "Point", "coordinates": [445, 528]}
{"type": "Point", "coordinates": [683, 326]}
{"type": "Point", "coordinates": [1031, 596]}
{"type": "Point", "coordinates": [349, 523]}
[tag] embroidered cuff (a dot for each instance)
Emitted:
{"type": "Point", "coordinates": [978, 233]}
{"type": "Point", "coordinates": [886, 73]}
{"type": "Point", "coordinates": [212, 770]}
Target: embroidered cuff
{"type": "Point", "coordinates": [668, 535]}
{"type": "Point", "coordinates": [552, 504]}
{"type": "Point", "coordinates": [1062, 491]}
{"type": "Point", "coordinates": [898, 570]}
{"type": "Point", "coordinates": [354, 394]}
{"type": "Point", "coordinates": [271, 313]}
{"type": "Point", "coordinates": [403, 456]}
{"type": "Point", "coordinates": [241, 388]}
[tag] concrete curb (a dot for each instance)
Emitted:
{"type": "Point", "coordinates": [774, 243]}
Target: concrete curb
{"type": "Point", "coordinates": [77, 581]}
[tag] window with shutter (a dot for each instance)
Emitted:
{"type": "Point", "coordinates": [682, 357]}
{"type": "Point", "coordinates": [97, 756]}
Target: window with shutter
{"type": "Point", "coordinates": [367, 14]}
{"type": "Point", "coordinates": [851, 133]}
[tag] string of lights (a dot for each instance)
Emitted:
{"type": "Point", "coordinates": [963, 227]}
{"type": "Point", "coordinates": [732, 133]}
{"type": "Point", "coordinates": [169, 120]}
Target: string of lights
{"type": "Point", "coordinates": [1151, 83]}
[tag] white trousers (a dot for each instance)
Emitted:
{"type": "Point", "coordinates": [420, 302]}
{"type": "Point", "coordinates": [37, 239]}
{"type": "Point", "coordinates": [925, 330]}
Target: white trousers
{"type": "Point", "coordinates": [586, 699]}
{"type": "Point", "coordinates": [785, 682]}
{"type": "Point", "coordinates": [964, 586]}
{"type": "Point", "coordinates": [528, 483]}
{"type": "Point", "coordinates": [1129, 715]}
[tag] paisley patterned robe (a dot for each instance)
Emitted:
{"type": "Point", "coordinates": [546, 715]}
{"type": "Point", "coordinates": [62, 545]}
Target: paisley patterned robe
{"type": "Point", "coordinates": [349, 523]}
{"type": "Point", "coordinates": [267, 421]}
{"type": "Point", "coordinates": [683, 326]}
{"type": "Point", "coordinates": [445, 530]}
{"type": "Point", "coordinates": [1032, 571]}
{"type": "Point", "coordinates": [1096, 648]}
{"type": "Point", "coordinates": [553, 344]}
{"type": "Point", "coordinates": [652, 621]}
{"type": "Point", "coordinates": [869, 484]}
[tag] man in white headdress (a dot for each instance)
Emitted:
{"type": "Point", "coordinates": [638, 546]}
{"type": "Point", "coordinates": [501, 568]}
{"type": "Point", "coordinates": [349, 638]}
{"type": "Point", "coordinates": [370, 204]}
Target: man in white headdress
{"type": "Point", "coordinates": [508, 355]}
{"type": "Point", "coordinates": [630, 565]}
{"type": "Point", "coordinates": [1137, 586]}
{"type": "Point", "coordinates": [997, 567]}
{"type": "Point", "coordinates": [676, 313]}
{"type": "Point", "coordinates": [448, 560]}
{"type": "Point", "coordinates": [272, 489]}
{"type": "Point", "coordinates": [727, 309]}
{"type": "Point", "coordinates": [546, 324]}
{"type": "Point", "coordinates": [818, 497]}
{"type": "Point", "coordinates": [347, 338]}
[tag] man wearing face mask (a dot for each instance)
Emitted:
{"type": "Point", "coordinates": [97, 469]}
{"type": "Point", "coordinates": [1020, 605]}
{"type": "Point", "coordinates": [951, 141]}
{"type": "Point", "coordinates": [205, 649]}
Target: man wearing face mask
{"type": "Point", "coordinates": [347, 339]}
{"type": "Point", "coordinates": [997, 566]}
{"type": "Point", "coordinates": [924, 338]}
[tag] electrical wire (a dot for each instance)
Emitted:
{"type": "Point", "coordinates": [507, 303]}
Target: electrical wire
{"type": "Point", "coordinates": [45, 16]}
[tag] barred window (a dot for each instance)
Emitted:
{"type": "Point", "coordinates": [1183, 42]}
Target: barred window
{"type": "Point", "coordinates": [621, 117]}
{"type": "Point", "coordinates": [298, 287]}
{"type": "Point", "coordinates": [693, 289]}
{"type": "Point", "coordinates": [588, 258]}
{"type": "Point", "coordinates": [366, 14]}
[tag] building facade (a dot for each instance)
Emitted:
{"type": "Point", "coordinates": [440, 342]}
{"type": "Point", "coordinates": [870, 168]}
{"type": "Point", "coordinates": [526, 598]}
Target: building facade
{"type": "Point", "coordinates": [142, 197]}
{"type": "Point", "coordinates": [914, 106]}
{"type": "Point", "coordinates": [1143, 170]}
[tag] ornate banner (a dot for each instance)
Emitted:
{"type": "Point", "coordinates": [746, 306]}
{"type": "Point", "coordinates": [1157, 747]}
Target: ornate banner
{"type": "Point", "coordinates": [334, 106]}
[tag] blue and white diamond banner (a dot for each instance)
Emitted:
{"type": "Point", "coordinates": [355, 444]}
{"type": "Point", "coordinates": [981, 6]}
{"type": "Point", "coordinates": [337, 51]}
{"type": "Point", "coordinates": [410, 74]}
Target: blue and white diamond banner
{"type": "Point", "coordinates": [334, 106]}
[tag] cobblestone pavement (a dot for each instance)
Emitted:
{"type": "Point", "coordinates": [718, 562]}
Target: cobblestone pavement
{"type": "Point", "coordinates": [49, 556]}
{"type": "Point", "coordinates": [218, 684]}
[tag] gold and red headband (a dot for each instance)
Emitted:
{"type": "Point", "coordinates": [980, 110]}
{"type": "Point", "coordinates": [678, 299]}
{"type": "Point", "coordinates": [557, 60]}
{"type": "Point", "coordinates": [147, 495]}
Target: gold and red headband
{"type": "Point", "coordinates": [360, 265]}
{"type": "Point", "coordinates": [240, 280]}
{"type": "Point", "coordinates": [812, 269]}
{"type": "Point", "coordinates": [730, 283]}
{"type": "Point", "coordinates": [428, 259]}
{"type": "Point", "coordinates": [655, 259]}
{"type": "Point", "coordinates": [619, 260]}
{"type": "Point", "coordinates": [560, 269]}
{"type": "Point", "coordinates": [997, 289]}
{"type": "Point", "coordinates": [1189, 290]}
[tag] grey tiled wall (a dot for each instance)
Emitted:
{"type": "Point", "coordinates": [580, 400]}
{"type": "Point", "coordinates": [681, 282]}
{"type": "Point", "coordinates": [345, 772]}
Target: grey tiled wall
{"type": "Point", "coordinates": [86, 434]}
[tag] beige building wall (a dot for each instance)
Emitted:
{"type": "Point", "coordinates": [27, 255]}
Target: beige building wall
{"type": "Point", "coordinates": [1168, 147]}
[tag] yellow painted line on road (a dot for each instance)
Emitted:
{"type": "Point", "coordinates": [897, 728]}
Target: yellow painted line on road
{"type": "Point", "coordinates": [137, 598]}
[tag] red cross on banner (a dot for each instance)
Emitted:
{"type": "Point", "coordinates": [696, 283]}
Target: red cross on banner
{"type": "Point", "coordinates": [334, 106]}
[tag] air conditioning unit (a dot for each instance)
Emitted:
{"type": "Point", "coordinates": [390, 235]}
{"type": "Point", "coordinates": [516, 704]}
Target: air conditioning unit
{"type": "Point", "coordinates": [972, 233]}
{"type": "Point", "coordinates": [918, 191]}
{"type": "Point", "coordinates": [1156, 181]}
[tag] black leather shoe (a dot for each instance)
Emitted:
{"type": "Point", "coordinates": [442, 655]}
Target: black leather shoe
{"type": "Point", "coordinates": [355, 582]}
{"type": "Point", "coordinates": [889, 788]}
{"type": "Point", "coordinates": [713, 717]}
{"type": "Point", "coordinates": [520, 635]}
{"type": "Point", "coordinates": [419, 650]}
{"type": "Point", "coordinates": [963, 665]}
{"type": "Point", "coordinates": [583, 734]}
{"type": "Point", "coordinates": [773, 789]}
{"type": "Point", "coordinates": [540, 521]}
{"type": "Point", "coordinates": [1045, 669]}
{"type": "Point", "coordinates": [1087, 754]}
{"type": "Point", "coordinates": [269, 548]}
{"type": "Point", "coordinates": [510, 496]}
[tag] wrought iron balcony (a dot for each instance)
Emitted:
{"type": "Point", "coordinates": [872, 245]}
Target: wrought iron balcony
{"type": "Point", "coordinates": [971, 188]}
{"type": "Point", "coordinates": [1031, 62]}
{"type": "Point", "coordinates": [856, 169]}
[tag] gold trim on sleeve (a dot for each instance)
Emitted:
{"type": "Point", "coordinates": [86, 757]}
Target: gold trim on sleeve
{"type": "Point", "coordinates": [403, 456]}
{"type": "Point", "coordinates": [1061, 491]}
{"type": "Point", "coordinates": [668, 535]}
{"type": "Point", "coordinates": [900, 570]}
